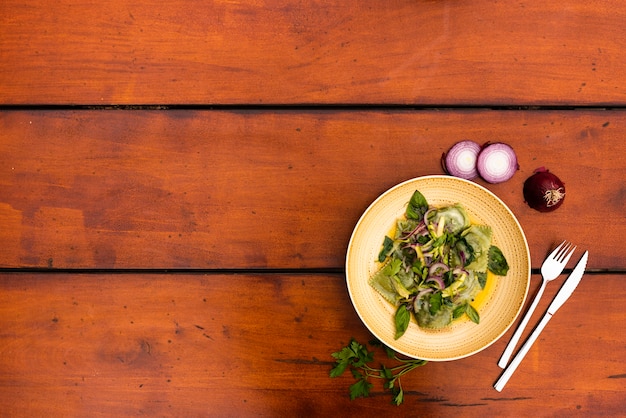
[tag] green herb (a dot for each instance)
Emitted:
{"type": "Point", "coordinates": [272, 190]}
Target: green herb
{"type": "Point", "coordinates": [402, 319]}
{"type": "Point", "coordinates": [482, 279]}
{"type": "Point", "coordinates": [393, 267]}
{"type": "Point", "coordinates": [435, 263]}
{"type": "Point", "coordinates": [472, 313]}
{"type": "Point", "coordinates": [497, 263]}
{"type": "Point", "coordinates": [468, 309]}
{"type": "Point", "coordinates": [418, 206]}
{"type": "Point", "coordinates": [387, 247]}
{"type": "Point", "coordinates": [357, 357]}
{"type": "Point", "coordinates": [459, 311]}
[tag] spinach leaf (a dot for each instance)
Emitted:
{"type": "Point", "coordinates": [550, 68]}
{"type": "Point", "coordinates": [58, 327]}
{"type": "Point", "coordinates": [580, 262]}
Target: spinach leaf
{"type": "Point", "coordinates": [497, 263]}
{"type": "Point", "coordinates": [418, 206]}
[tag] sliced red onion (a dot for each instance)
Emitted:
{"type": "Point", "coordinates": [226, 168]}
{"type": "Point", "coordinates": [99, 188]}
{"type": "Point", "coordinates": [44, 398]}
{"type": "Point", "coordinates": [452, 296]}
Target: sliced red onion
{"type": "Point", "coordinates": [437, 269]}
{"type": "Point", "coordinates": [458, 271]}
{"type": "Point", "coordinates": [460, 160]}
{"type": "Point", "coordinates": [463, 257]}
{"type": "Point", "coordinates": [427, 215]}
{"type": "Point", "coordinates": [418, 229]}
{"type": "Point", "coordinates": [438, 280]}
{"type": "Point", "coordinates": [497, 162]}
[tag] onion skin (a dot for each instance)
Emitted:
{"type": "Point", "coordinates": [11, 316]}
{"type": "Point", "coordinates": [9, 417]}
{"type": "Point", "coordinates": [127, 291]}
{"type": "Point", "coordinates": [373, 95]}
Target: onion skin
{"type": "Point", "coordinates": [544, 191]}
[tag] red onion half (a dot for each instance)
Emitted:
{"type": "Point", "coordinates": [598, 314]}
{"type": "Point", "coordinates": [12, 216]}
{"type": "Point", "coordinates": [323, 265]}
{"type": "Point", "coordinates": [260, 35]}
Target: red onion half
{"type": "Point", "coordinates": [544, 191]}
{"type": "Point", "coordinates": [496, 162]}
{"type": "Point", "coordinates": [460, 160]}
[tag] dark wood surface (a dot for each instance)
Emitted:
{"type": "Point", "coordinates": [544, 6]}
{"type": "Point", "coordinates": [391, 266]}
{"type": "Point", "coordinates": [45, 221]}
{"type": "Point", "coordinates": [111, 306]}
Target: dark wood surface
{"type": "Point", "coordinates": [179, 182]}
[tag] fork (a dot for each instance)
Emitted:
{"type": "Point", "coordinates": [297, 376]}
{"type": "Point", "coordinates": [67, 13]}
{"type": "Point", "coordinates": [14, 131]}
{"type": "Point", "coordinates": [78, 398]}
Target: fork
{"type": "Point", "coordinates": [551, 268]}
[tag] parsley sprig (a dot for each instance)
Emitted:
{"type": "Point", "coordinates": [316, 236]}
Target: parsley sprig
{"type": "Point", "coordinates": [357, 357]}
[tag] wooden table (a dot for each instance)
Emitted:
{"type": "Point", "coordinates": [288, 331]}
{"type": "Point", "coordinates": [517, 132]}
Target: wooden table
{"type": "Point", "coordinates": [179, 181]}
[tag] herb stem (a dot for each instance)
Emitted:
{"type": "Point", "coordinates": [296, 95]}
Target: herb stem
{"type": "Point", "coordinates": [357, 357]}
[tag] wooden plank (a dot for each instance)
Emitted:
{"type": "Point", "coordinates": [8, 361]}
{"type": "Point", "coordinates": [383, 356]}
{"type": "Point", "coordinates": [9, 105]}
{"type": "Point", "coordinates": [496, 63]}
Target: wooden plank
{"type": "Point", "coordinates": [256, 52]}
{"type": "Point", "coordinates": [260, 345]}
{"type": "Point", "coordinates": [284, 189]}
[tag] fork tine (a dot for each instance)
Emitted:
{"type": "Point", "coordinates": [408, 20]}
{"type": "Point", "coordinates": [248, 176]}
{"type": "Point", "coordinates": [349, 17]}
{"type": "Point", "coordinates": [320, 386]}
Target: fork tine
{"type": "Point", "coordinates": [567, 256]}
{"type": "Point", "coordinates": [563, 251]}
{"type": "Point", "coordinates": [554, 253]}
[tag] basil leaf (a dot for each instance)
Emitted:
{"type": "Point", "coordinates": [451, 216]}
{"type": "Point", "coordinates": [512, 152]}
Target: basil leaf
{"type": "Point", "coordinates": [458, 311]}
{"type": "Point", "coordinates": [402, 318]}
{"type": "Point", "coordinates": [387, 246]}
{"type": "Point", "coordinates": [482, 279]}
{"type": "Point", "coordinates": [417, 207]}
{"type": "Point", "coordinates": [472, 313]}
{"type": "Point", "coordinates": [497, 263]}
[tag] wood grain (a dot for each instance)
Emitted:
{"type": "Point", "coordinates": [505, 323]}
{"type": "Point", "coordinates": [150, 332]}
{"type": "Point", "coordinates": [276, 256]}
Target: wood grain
{"type": "Point", "coordinates": [260, 345]}
{"type": "Point", "coordinates": [275, 189]}
{"type": "Point", "coordinates": [239, 213]}
{"type": "Point", "coordinates": [293, 52]}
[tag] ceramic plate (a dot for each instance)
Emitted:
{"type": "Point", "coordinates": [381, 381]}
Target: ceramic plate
{"type": "Point", "coordinates": [498, 304]}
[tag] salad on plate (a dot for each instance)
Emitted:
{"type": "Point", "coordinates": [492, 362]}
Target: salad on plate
{"type": "Point", "coordinates": [433, 265]}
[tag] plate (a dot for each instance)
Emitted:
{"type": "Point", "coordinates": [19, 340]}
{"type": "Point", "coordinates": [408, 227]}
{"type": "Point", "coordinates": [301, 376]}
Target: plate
{"type": "Point", "coordinates": [499, 303]}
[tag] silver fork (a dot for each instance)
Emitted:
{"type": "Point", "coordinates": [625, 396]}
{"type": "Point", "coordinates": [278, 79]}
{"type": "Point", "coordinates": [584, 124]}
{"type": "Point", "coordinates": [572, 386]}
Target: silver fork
{"type": "Point", "coordinates": [551, 268]}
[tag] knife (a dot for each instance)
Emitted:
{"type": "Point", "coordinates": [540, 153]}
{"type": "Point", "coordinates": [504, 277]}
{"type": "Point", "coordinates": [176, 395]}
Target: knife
{"type": "Point", "coordinates": [564, 293]}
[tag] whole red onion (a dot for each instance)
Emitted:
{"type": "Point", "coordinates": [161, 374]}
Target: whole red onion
{"type": "Point", "coordinates": [544, 191]}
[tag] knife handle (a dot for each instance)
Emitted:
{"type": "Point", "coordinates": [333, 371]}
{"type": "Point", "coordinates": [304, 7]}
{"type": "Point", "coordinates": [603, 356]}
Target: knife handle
{"type": "Point", "coordinates": [508, 372]}
{"type": "Point", "coordinates": [508, 352]}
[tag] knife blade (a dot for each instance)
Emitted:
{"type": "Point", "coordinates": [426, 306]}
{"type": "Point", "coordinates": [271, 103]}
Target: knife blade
{"type": "Point", "coordinates": [564, 293]}
{"type": "Point", "coordinates": [569, 285]}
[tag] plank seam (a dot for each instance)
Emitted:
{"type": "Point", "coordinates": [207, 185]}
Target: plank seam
{"type": "Point", "coordinates": [229, 271]}
{"type": "Point", "coordinates": [308, 107]}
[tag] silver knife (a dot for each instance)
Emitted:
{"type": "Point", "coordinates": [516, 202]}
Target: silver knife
{"type": "Point", "coordinates": [564, 293]}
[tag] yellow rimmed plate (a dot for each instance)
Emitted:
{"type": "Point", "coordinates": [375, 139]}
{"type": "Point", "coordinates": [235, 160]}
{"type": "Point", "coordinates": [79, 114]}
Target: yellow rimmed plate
{"type": "Point", "coordinates": [498, 304]}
